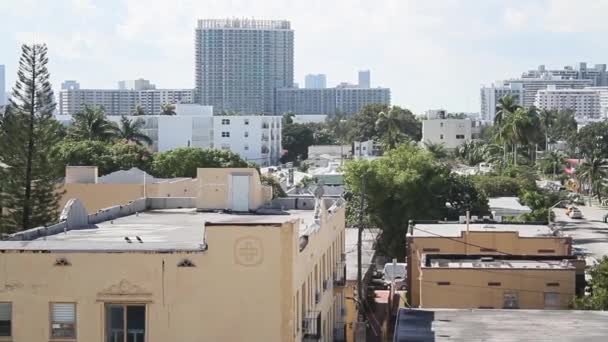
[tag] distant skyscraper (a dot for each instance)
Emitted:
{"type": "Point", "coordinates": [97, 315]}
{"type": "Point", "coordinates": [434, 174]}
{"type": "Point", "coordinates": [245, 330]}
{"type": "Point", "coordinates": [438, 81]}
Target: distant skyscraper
{"type": "Point", "coordinates": [240, 62]}
{"type": "Point", "coordinates": [70, 85]}
{"type": "Point", "coordinates": [138, 84]}
{"type": "Point", "coordinates": [318, 81]}
{"type": "Point", "coordinates": [364, 79]}
{"type": "Point", "coordinates": [2, 86]}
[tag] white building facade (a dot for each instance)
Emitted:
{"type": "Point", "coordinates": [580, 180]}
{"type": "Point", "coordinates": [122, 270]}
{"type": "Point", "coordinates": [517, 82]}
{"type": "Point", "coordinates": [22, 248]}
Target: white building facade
{"type": "Point", "coordinates": [121, 102]}
{"type": "Point", "coordinates": [254, 138]}
{"type": "Point", "coordinates": [585, 103]}
{"type": "Point", "coordinates": [449, 132]}
{"type": "Point", "coordinates": [489, 97]}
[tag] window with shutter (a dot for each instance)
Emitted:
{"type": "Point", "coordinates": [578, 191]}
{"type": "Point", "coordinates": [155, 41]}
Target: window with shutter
{"type": "Point", "coordinates": [63, 320]}
{"type": "Point", "coordinates": [6, 314]}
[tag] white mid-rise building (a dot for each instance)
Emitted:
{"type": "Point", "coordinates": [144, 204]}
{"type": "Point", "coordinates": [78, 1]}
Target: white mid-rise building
{"type": "Point", "coordinates": [489, 97]}
{"type": "Point", "coordinates": [253, 137]}
{"type": "Point", "coordinates": [449, 132]}
{"type": "Point", "coordinates": [585, 103]}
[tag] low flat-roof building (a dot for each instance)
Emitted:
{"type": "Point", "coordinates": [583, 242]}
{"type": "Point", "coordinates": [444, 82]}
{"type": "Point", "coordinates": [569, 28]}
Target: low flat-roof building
{"type": "Point", "coordinates": [478, 239]}
{"type": "Point", "coordinates": [224, 266]}
{"type": "Point", "coordinates": [485, 282]}
{"type": "Point", "coordinates": [437, 325]}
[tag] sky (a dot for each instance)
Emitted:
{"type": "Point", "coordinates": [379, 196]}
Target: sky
{"type": "Point", "coordinates": [431, 53]}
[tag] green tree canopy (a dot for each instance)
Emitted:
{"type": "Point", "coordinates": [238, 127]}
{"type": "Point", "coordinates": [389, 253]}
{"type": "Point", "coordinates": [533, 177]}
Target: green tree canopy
{"type": "Point", "coordinates": [592, 140]}
{"type": "Point", "coordinates": [91, 123]}
{"type": "Point", "coordinates": [598, 299]}
{"type": "Point", "coordinates": [296, 140]}
{"type": "Point", "coordinates": [183, 161]}
{"type": "Point", "coordinates": [132, 131]}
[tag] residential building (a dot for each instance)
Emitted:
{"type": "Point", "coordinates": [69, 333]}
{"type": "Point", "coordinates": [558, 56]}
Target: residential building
{"type": "Point", "coordinates": [240, 62]}
{"type": "Point", "coordinates": [449, 132]}
{"type": "Point", "coordinates": [253, 137]}
{"type": "Point", "coordinates": [315, 81]}
{"type": "Point", "coordinates": [364, 79]}
{"type": "Point", "coordinates": [497, 282]}
{"type": "Point", "coordinates": [366, 149]}
{"type": "Point", "coordinates": [181, 268]}
{"type": "Point", "coordinates": [70, 85]}
{"type": "Point", "coordinates": [597, 74]}
{"type": "Point", "coordinates": [3, 100]}
{"type": "Point", "coordinates": [138, 84]}
{"type": "Point", "coordinates": [121, 102]}
{"type": "Point", "coordinates": [329, 101]}
{"type": "Point", "coordinates": [532, 243]}
{"type": "Point", "coordinates": [500, 325]}
{"type": "Point", "coordinates": [585, 103]}
{"type": "Point", "coordinates": [489, 97]}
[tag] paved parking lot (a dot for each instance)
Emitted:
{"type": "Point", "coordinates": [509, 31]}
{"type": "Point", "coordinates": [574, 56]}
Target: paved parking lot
{"type": "Point", "coordinates": [590, 232]}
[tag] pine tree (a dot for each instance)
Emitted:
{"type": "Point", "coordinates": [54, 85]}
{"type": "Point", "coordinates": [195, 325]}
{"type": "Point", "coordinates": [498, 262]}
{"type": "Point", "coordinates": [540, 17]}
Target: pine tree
{"type": "Point", "coordinates": [28, 134]}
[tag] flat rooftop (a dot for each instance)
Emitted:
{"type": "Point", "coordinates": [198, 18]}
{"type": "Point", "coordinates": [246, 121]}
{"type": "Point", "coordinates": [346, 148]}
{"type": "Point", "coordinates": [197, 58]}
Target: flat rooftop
{"type": "Point", "coordinates": [500, 264]}
{"type": "Point", "coordinates": [426, 325]}
{"type": "Point", "coordinates": [160, 230]}
{"type": "Point", "coordinates": [368, 241]}
{"type": "Point", "coordinates": [451, 229]}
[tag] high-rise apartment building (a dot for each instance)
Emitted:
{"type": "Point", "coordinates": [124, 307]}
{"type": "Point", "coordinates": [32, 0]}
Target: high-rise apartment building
{"type": "Point", "coordinates": [364, 79]}
{"type": "Point", "coordinates": [597, 74]}
{"type": "Point", "coordinates": [316, 81]}
{"type": "Point", "coordinates": [241, 62]}
{"type": "Point", "coordinates": [585, 103]}
{"type": "Point", "coordinates": [490, 95]}
{"type": "Point", "coordinates": [121, 102]}
{"type": "Point", "coordinates": [2, 86]}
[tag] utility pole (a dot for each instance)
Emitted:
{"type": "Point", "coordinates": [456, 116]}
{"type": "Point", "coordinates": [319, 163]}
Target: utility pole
{"type": "Point", "coordinates": [359, 237]}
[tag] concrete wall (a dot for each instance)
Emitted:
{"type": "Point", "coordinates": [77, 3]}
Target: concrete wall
{"type": "Point", "coordinates": [469, 287]}
{"type": "Point", "coordinates": [215, 188]}
{"type": "Point", "coordinates": [505, 242]}
{"type": "Point", "coordinates": [446, 131]}
{"type": "Point", "coordinates": [81, 174]}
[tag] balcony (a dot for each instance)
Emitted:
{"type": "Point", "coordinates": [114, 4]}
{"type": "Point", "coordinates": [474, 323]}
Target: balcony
{"type": "Point", "coordinates": [311, 326]}
{"type": "Point", "coordinates": [340, 274]}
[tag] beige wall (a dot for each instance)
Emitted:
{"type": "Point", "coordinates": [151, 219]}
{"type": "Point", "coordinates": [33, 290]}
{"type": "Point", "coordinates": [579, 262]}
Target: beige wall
{"type": "Point", "coordinates": [469, 287]}
{"type": "Point", "coordinates": [215, 188]}
{"type": "Point", "coordinates": [505, 242]}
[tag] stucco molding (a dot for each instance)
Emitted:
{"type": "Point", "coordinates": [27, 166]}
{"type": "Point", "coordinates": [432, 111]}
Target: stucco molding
{"type": "Point", "coordinates": [124, 288]}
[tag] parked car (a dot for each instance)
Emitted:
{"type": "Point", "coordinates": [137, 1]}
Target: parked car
{"type": "Point", "coordinates": [580, 251]}
{"type": "Point", "coordinates": [397, 273]}
{"type": "Point", "coordinates": [575, 213]}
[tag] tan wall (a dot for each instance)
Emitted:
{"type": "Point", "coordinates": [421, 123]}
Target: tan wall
{"type": "Point", "coordinates": [505, 242]}
{"type": "Point", "coordinates": [215, 188]}
{"type": "Point", "coordinates": [469, 287]}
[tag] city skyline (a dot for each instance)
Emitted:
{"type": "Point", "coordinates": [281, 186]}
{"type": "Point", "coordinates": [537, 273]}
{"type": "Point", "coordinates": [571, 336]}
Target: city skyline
{"type": "Point", "coordinates": [407, 45]}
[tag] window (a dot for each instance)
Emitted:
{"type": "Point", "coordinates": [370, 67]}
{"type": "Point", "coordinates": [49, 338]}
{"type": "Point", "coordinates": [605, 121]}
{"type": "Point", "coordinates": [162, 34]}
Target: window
{"type": "Point", "coordinates": [125, 323]}
{"type": "Point", "coordinates": [441, 124]}
{"type": "Point", "coordinates": [443, 283]}
{"type": "Point", "coordinates": [546, 251]}
{"type": "Point", "coordinates": [441, 136]}
{"type": "Point", "coordinates": [555, 284]}
{"type": "Point", "coordinates": [431, 250]}
{"type": "Point", "coordinates": [246, 148]}
{"type": "Point", "coordinates": [459, 136]}
{"type": "Point", "coordinates": [6, 314]}
{"type": "Point", "coordinates": [552, 300]}
{"type": "Point", "coordinates": [225, 134]}
{"type": "Point", "coordinates": [494, 283]}
{"type": "Point", "coordinates": [63, 320]}
{"type": "Point", "coordinates": [246, 121]}
{"type": "Point", "coordinates": [510, 300]}
{"type": "Point", "coordinates": [246, 134]}
{"type": "Point", "coordinates": [225, 121]}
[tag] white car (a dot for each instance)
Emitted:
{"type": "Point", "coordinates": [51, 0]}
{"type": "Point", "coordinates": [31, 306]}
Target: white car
{"type": "Point", "coordinates": [397, 273]}
{"type": "Point", "coordinates": [575, 213]}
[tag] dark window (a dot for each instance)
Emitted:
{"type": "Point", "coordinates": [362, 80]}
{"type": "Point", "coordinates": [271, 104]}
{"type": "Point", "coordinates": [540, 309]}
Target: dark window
{"type": "Point", "coordinates": [6, 313]}
{"type": "Point", "coordinates": [431, 250]}
{"type": "Point", "coordinates": [63, 320]}
{"type": "Point", "coordinates": [553, 284]}
{"type": "Point", "coordinates": [487, 249]}
{"type": "Point", "coordinates": [459, 136]}
{"type": "Point", "coordinates": [443, 283]}
{"type": "Point", "coordinates": [125, 323]}
{"type": "Point", "coordinates": [494, 283]}
{"type": "Point", "coordinates": [546, 251]}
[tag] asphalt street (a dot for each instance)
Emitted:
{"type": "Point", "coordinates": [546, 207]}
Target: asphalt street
{"type": "Point", "coordinates": [590, 232]}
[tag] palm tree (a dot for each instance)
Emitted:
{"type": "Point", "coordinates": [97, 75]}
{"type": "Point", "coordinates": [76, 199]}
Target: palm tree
{"type": "Point", "coordinates": [436, 149]}
{"type": "Point", "coordinates": [592, 172]}
{"type": "Point", "coordinates": [504, 109]}
{"type": "Point", "coordinates": [138, 111]}
{"type": "Point", "coordinates": [554, 159]}
{"type": "Point", "coordinates": [522, 128]}
{"type": "Point", "coordinates": [390, 125]}
{"type": "Point", "coordinates": [132, 131]}
{"type": "Point", "coordinates": [547, 118]}
{"type": "Point", "coordinates": [167, 109]}
{"type": "Point", "coordinates": [91, 123]}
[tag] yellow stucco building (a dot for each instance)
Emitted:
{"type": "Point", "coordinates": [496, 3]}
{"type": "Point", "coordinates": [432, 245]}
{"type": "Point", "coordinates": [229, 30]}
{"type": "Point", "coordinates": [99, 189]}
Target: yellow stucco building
{"type": "Point", "coordinates": [233, 267]}
{"type": "Point", "coordinates": [490, 263]}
